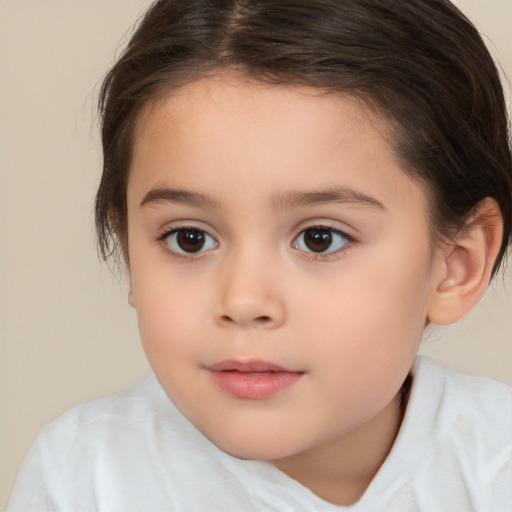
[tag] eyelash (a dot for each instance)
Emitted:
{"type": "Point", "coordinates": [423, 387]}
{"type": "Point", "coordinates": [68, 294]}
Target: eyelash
{"type": "Point", "coordinates": [162, 238]}
{"type": "Point", "coordinates": [317, 256]}
{"type": "Point", "coordinates": [325, 256]}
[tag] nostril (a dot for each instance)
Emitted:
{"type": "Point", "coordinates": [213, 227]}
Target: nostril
{"type": "Point", "coordinates": [262, 319]}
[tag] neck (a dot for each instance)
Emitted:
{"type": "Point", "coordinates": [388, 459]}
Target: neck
{"type": "Point", "coordinates": [341, 470]}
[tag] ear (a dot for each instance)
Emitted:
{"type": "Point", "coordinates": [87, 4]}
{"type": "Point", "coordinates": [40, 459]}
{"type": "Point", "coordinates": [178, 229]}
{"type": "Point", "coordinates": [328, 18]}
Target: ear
{"type": "Point", "coordinates": [466, 264]}
{"type": "Point", "coordinates": [131, 298]}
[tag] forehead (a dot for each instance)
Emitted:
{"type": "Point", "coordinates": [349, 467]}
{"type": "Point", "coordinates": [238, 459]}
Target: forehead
{"type": "Point", "coordinates": [230, 98]}
{"type": "Point", "coordinates": [260, 138]}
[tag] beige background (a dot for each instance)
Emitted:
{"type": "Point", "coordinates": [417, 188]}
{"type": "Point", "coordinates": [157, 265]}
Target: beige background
{"type": "Point", "coordinates": [66, 331]}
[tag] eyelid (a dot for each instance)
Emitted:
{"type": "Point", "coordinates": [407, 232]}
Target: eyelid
{"type": "Point", "coordinates": [167, 232]}
{"type": "Point", "coordinates": [174, 226]}
{"type": "Point", "coordinates": [328, 222]}
{"type": "Point", "coordinates": [327, 226]}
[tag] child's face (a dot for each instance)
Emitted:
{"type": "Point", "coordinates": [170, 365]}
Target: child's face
{"type": "Point", "coordinates": [273, 226]}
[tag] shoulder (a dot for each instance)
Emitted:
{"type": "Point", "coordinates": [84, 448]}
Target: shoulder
{"type": "Point", "coordinates": [466, 429]}
{"type": "Point", "coordinates": [479, 402]}
{"type": "Point", "coordinates": [89, 447]}
{"type": "Point", "coordinates": [107, 425]}
{"type": "Point", "coordinates": [477, 414]}
{"type": "Point", "coordinates": [137, 403]}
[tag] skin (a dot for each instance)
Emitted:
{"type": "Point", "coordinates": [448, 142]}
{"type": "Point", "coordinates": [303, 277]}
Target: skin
{"type": "Point", "coordinates": [350, 320]}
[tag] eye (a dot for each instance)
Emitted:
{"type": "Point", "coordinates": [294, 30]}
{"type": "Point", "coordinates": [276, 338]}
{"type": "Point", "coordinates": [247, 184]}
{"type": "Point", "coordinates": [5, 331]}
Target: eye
{"type": "Point", "coordinates": [321, 240]}
{"type": "Point", "coordinates": [189, 241]}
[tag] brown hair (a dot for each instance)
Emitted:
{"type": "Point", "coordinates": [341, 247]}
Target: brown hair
{"type": "Point", "coordinates": [419, 63]}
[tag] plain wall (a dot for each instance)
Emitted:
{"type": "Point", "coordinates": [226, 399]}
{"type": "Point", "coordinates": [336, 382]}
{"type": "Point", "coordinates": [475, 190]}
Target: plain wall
{"type": "Point", "coordinates": [67, 334]}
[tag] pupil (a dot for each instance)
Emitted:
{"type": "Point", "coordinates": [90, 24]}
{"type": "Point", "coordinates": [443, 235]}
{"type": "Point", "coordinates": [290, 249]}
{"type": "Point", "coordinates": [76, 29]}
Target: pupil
{"type": "Point", "coordinates": [190, 240]}
{"type": "Point", "coordinates": [318, 240]}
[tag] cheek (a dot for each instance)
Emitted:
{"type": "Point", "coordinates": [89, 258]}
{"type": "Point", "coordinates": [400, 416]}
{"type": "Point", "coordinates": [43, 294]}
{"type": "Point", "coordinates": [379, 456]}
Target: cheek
{"type": "Point", "coordinates": [166, 299]}
{"type": "Point", "coordinates": [169, 339]}
{"type": "Point", "coordinates": [388, 296]}
{"type": "Point", "coordinates": [166, 317]}
{"type": "Point", "coordinates": [371, 318]}
{"type": "Point", "coordinates": [165, 312]}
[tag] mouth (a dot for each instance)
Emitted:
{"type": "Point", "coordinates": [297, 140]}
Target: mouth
{"type": "Point", "coordinates": [252, 380]}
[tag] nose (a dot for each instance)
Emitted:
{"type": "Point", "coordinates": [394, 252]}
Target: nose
{"type": "Point", "coordinates": [250, 297]}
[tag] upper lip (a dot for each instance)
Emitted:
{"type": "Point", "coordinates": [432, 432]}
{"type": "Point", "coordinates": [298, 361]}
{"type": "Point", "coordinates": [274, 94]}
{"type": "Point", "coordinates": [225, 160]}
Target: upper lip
{"type": "Point", "coordinates": [248, 366]}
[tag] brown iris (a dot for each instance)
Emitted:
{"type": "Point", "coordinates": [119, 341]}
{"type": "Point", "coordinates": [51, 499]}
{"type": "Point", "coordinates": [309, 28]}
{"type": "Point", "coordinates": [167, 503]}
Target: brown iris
{"type": "Point", "coordinates": [317, 239]}
{"type": "Point", "coordinates": [190, 240]}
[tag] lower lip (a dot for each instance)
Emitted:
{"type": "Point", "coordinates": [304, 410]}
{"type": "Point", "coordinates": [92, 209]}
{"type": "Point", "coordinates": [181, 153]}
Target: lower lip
{"type": "Point", "coordinates": [254, 386]}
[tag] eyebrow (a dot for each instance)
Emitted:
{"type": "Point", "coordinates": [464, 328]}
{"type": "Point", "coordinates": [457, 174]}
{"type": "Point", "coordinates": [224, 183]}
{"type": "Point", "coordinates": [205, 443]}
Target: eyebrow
{"type": "Point", "coordinates": [280, 201]}
{"type": "Point", "coordinates": [169, 195]}
{"type": "Point", "coordinates": [294, 199]}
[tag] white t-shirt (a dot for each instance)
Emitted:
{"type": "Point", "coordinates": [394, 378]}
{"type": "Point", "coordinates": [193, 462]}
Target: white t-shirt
{"type": "Point", "coordinates": [136, 452]}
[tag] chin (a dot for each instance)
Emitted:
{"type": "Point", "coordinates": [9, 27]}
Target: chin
{"type": "Point", "coordinates": [269, 447]}
{"type": "Point", "coordinates": [255, 453]}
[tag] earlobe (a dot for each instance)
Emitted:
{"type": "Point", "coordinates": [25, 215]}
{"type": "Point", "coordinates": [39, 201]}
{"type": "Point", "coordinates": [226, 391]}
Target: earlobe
{"type": "Point", "coordinates": [131, 299]}
{"type": "Point", "coordinates": [466, 265]}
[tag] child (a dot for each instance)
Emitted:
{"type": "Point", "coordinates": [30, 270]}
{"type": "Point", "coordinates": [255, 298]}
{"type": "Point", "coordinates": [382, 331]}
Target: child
{"type": "Point", "coordinates": [297, 188]}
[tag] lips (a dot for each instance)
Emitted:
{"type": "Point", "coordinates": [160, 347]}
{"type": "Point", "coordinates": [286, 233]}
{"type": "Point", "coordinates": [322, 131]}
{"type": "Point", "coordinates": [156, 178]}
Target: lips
{"type": "Point", "coordinates": [252, 380]}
